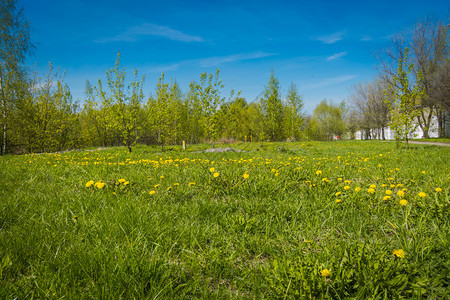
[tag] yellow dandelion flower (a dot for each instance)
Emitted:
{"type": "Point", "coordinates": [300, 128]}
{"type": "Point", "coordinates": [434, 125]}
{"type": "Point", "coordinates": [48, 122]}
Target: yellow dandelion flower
{"type": "Point", "coordinates": [403, 202]}
{"type": "Point", "coordinates": [347, 181]}
{"type": "Point", "coordinates": [318, 172]}
{"type": "Point", "coordinates": [156, 186]}
{"type": "Point", "coordinates": [121, 180]}
{"type": "Point", "coordinates": [212, 170]}
{"type": "Point", "coordinates": [385, 198]}
{"type": "Point", "coordinates": [372, 186]}
{"type": "Point", "coordinates": [339, 179]}
{"type": "Point", "coordinates": [152, 192]}
{"type": "Point", "coordinates": [338, 200]}
{"type": "Point", "coordinates": [215, 175]}
{"type": "Point", "coordinates": [169, 188]}
{"type": "Point", "coordinates": [90, 183]}
{"type": "Point", "coordinates": [324, 179]}
{"type": "Point", "coordinates": [388, 192]}
{"type": "Point", "coordinates": [438, 190]}
{"type": "Point", "coordinates": [191, 183]}
{"type": "Point", "coordinates": [422, 195]}
{"type": "Point", "coordinates": [379, 166]}
{"type": "Point", "coordinates": [126, 183]}
{"type": "Point", "coordinates": [423, 172]}
{"type": "Point", "coordinates": [400, 253]}
{"type": "Point", "coordinates": [371, 190]}
{"type": "Point", "coordinates": [99, 185]}
{"type": "Point", "coordinates": [161, 176]}
{"type": "Point", "coordinates": [357, 189]}
{"type": "Point", "coordinates": [325, 273]}
{"type": "Point", "coordinates": [346, 187]}
{"type": "Point", "coordinates": [246, 176]}
{"type": "Point", "coordinates": [337, 194]}
{"type": "Point", "coordinates": [392, 186]}
{"type": "Point", "coordinates": [401, 193]}
{"type": "Point", "coordinates": [176, 184]}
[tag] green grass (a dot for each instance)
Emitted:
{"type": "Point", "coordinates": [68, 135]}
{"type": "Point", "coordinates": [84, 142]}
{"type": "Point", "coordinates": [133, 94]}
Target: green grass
{"type": "Point", "coordinates": [267, 236]}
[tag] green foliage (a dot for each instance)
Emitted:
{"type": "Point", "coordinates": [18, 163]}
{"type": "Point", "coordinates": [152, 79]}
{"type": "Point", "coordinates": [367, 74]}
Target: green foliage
{"type": "Point", "coordinates": [293, 118]}
{"type": "Point", "coordinates": [122, 104]}
{"type": "Point", "coordinates": [15, 46]}
{"type": "Point", "coordinates": [272, 110]}
{"type": "Point", "coordinates": [406, 99]}
{"type": "Point", "coordinates": [327, 121]}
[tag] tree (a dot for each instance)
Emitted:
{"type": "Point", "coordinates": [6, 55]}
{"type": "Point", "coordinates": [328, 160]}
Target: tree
{"type": "Point", "coordinates": [122, 104]}
{"type": "Point", "coordinates": [405, 106]}
{"type": "Point", "coordinates": [293, 118]}
{"type": "Point", "coordinates": [15, 45]}
{"type": "Point", "coordinates": [272, 109]}
{"type": "Point", "coordinates": [327, 121]}
{"type": "Point", "coordinates": [208, 93]}
{"type": "Point", "coordinates": [371, 109]}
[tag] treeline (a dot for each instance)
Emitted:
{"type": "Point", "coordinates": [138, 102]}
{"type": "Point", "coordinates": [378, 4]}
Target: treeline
{"type": "Point", "coordinates": [42, 115]}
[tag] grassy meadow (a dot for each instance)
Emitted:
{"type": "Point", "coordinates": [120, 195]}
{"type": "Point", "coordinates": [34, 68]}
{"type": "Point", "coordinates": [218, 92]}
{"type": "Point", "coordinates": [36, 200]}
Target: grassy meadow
{"type": "Point", "coordinates": [339, 220]}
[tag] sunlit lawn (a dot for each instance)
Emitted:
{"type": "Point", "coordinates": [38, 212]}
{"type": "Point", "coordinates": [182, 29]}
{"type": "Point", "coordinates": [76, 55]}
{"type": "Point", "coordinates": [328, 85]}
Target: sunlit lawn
{"type": "Point", "coordinates": [288, 220]}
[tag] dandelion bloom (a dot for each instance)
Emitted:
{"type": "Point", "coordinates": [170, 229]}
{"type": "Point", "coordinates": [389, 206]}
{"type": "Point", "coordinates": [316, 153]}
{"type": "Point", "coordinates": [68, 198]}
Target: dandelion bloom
{"type": "Point", "coordinates": [372, 186]}
{"type": "Point", "coordinates": [346, 187]}
{"type": "Point", "coordinates": [399, 253]}
{"type": "Point", "coordinates": [121, 180]}
{"type": "Point", "coordinates": [152, 192]}
{"type": "Point", "coordinates": [246, 176]}
{"type": "Point", "coordinates": [388, 192]}
{"type": "Point", "coordinates": [401, 193]}
{"type": "Point", "coordinates": [347, 181]}
{"type": "Point", "coordinates": [422, 195]}
{"type": "Point", "coordinates": [438, 190]}
{"type": "Point", "coordinates": [215, 175]}
{"type": "Point", "coordinates": [339, 179]}
{"type": "Point", "coordinates": [325, 179]}
{"type": "Point", "coordinates": [403, 202]}
{"type": "Point", "coordinates": [337, 194]}
{"type": "Point", "coordinates": [126, 183]}
{"type": "Point", "coordinates": [318, 172]}
{"type": "Point", "coordinates": [89, 183]}
{"type": "Point", "coordinates": [212, 170]}
{"type": "Point", "coordinates": [161, 176]}
{"type": "Point", "coordinates": [371, 190]}
{"type": "Point", "coordinates": [385, 198]}
{"type": "Point", "coordinates": [357, 189]}
{"type": "Point", "coordinates": [176, 184]}
{"type": "Point", "coordinates": [169, 188]}
{"type": "Point", "coordinates": [338, 200]}
{"type": "Point", "coordinates": [191, 183]}
{"type": "Point", "coordinates": [100, 185]}
{"type": "Point", "coordinates": [325, 273]}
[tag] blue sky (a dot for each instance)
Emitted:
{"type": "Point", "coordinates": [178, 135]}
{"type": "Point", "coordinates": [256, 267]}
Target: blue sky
{"type": "Point", "coordinates": [324, 47]}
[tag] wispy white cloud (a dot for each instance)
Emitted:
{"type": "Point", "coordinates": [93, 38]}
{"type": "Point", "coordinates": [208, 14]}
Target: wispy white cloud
{"type": "Point", "coordinates": [329, 81]}
{"type": "Point", "coordinates": [220, 60]}
{"type": "Point", "coordinates": [336, 56]}
{"type": "Point", "coordinates": [332, 38]}
{"type": "Point", "coordinates": [132, 34]}
{"type": "Point", "coordinates": [207, 62]}
{"type": "Point", "coordinates": [366, 38]}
